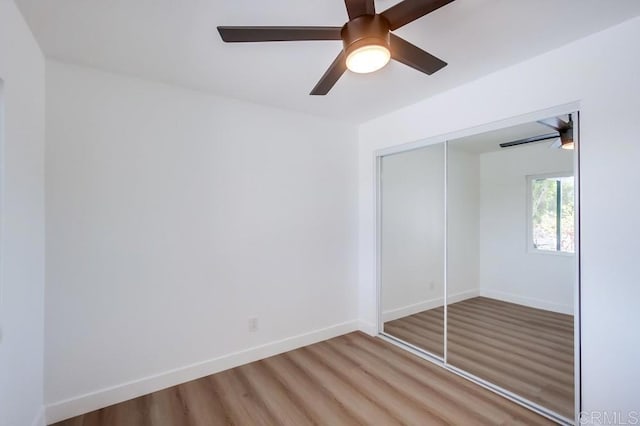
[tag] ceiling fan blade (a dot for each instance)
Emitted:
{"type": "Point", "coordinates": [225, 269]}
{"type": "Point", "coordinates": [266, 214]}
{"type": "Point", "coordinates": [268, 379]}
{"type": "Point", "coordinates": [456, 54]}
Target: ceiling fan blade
{"type": "Point", "coordinates": [256, 34]}
{"type": "Point", "coordinates": [555, 123]}
{"type": "Point", "coordinates": [357, 8]}
{"type": "Point", "coordinates": [331, 76]}
{"type": "Point", "coordinates": [413, 56]}
{"type": "Point", "coordinates": [410, 10]}
{"type": "Point", "coordinates": [530, 140]}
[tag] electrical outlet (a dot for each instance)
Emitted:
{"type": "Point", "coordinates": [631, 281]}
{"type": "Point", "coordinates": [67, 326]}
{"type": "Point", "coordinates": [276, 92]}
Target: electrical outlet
{"type": "Point", "coordinates": [253, 325]}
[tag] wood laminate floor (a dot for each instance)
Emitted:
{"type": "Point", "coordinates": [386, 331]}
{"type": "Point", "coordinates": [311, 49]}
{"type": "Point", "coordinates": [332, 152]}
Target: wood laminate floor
{"type": "Point", "coordinates": [525, 350]}
{"type": "Point", "coordinates": [349, 380]}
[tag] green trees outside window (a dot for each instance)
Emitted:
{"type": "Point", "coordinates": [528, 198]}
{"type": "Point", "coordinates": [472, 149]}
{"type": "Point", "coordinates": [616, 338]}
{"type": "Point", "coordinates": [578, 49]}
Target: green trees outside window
{"type": "Point", "coordinates": [553, 213]}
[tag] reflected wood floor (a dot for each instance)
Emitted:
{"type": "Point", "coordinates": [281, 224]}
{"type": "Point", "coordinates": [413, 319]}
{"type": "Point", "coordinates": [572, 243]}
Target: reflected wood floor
{"type": "Point", "coordinates": [349, 380]}
{"type": "Point", "coordinates": [525, 350]}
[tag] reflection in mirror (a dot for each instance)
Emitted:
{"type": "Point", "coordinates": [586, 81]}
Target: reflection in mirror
{"type": "Point", "coordinates": [412, 247]}
{"type": "Point", "coordinates": [510, 262]}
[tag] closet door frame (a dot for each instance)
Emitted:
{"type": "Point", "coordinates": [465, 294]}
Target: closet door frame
{"type": "Point", "coordinates": [572, 108]}
{"type": "Point", "coordinates": [380, 317]}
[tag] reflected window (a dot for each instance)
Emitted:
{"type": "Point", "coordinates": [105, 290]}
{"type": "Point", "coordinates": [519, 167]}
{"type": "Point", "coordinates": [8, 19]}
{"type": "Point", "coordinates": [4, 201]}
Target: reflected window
{"type": "Point", "coordinates": [552, 213]}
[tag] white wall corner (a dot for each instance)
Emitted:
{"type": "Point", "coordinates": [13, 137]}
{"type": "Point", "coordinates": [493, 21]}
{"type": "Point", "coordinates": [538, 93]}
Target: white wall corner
{"type": "Point", "coordinates": [463, 295]}
{"type": "Point", "coordinates": [39, 418]}
{"type": "Point", "coordinates": [368, 328]}
{"type": "Point", "coordinates": [81, 404]}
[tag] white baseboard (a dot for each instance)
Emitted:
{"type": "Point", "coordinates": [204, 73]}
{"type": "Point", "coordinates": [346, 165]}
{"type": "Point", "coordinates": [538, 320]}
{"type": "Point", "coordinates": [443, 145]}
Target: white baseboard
{"type": "Point", "coordinates": [425, 305]}
{"type": "Point", "coordinates": [463, 295]}
{"type": "Point", "coordinates": [81, 404]}
{"type": "Point", "coordinates": [39, 418]}
{"type": "Point", "coordinates": [368, 328]}
{"type": "Point", "coordinates": [527, 301]}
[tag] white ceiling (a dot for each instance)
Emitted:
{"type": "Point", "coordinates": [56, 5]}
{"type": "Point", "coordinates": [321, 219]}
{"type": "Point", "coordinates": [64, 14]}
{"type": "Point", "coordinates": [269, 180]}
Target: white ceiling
{"type": "Point", "coordinates": [175, 41]}
{"type": "Point", "coordinates": [490, 141]}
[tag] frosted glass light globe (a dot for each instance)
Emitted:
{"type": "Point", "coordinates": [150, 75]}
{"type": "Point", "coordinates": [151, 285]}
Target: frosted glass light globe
{"type": "Point", "coordinates": [368, 59]}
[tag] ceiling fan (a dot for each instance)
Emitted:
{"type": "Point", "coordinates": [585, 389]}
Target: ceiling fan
{"type": "Point", "coordinates": [368, 43]}
{"type": "Point", "coordinates": [563, 131]}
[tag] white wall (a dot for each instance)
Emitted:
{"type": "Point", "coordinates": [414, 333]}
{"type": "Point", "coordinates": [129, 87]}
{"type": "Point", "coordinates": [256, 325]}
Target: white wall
{"type": "Point", "coordinates": [463, 213]}
{"type": "Point", "coordinates": [22, 222]}
{"type": "Point", "coordinates": [508, 270]}
{"type": "Point", "coordinates": [172, 218]}
{"type": "Point", "coordinates": [600, 73]}
{"type": "Point", "coordinates": [412, 251]}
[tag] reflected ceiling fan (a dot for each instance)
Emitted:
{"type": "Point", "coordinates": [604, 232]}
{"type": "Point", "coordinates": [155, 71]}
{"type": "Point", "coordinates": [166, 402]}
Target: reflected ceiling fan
{"type": "Point", "coordinates": [563, 131]}
{"type": "Point", "coordinates": [368, 43]}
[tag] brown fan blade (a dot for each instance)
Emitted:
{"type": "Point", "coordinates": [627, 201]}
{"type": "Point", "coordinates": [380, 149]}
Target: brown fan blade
{"type": "Point", "coordinates": [331, 76]}
{"type": "Point", "coordinates": [256, 34]}
{"type": "Point", "coordinates": [555, 123]}
{"type": "Point", "coordinates": [410, 10]}
{"type": "Point", "coordinates": [530, 140]}
{"type": "Point", "coordinates": [410, 55]}
{"type": "Point", "coordinates": [357, 8]}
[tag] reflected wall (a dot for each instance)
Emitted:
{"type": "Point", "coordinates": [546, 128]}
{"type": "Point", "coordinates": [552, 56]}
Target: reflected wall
{"type": "Point", "coordinates": [412, 247]}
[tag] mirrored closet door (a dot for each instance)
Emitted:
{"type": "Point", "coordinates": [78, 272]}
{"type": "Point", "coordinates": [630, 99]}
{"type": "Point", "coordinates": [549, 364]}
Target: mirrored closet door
{"type": "Point", "coordinates": [511, 261]}
{"type": "Point", "coordinates": [504, 204]}
{"type": "Point", "coordinates": [412, 247]}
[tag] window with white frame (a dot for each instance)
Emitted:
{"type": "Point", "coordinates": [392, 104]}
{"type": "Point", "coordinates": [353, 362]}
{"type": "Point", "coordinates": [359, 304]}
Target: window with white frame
{"type": "Point", "coordinates": [551, 213]}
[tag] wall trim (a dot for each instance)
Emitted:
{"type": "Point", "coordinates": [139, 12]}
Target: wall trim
{"type": "Point", "coordinates": [527, 301]}
{"type": "Point", "coordinates": [91, 401]}
{"type": "Point", "coordinates": [425, 305]}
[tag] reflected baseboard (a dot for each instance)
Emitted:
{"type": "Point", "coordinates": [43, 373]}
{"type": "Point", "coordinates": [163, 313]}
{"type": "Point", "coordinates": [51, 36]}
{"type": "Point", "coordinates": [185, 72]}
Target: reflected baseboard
{"type": "Point", "coordinates": [527, 301]}
{"type": "Point", "coordinates": [425, 305]}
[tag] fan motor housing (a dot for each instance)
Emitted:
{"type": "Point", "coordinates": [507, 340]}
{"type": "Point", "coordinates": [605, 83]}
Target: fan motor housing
{"type": "Point", "coordinates": [566, 135]}
{"type": "Point", "coordinates": [365, 30]}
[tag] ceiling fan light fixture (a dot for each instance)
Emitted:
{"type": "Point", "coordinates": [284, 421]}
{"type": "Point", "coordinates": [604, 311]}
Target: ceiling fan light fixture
{"type": "Point", "coordinates": [368, 58]}
{"type": "Point", "coordinates": [366, 43]}
{"type": "Point", "coordinates": [566, 139]}
{"type": "Point", "coordinates": [567, 145]}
